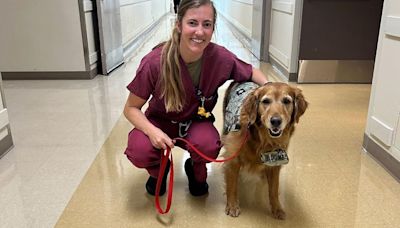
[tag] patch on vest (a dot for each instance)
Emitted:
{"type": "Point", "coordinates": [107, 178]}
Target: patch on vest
{"type": "Point", "coordinates": [235, 100]}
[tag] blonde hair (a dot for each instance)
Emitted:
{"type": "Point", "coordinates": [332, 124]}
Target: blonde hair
{"type": "Point", "coordinates": [171, 81]}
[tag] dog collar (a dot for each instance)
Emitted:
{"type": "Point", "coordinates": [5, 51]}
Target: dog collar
{"type": "Point", "coordinates": [275, 158]}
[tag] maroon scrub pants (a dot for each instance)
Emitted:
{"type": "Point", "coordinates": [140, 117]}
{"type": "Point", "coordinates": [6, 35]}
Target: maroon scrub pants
{"type": "Point", "coordinates": [202, 134]}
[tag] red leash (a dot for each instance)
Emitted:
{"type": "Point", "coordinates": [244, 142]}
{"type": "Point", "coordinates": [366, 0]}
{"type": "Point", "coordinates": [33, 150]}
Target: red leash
{"type": "Point", "coordinates": [164, 161]}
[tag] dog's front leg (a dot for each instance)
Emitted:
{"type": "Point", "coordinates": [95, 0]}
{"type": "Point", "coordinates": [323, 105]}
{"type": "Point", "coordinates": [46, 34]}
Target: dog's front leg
{"type": "Point", "coordinates": [231, 180]}
{"type": "Point", "coordinates": [273, 188]}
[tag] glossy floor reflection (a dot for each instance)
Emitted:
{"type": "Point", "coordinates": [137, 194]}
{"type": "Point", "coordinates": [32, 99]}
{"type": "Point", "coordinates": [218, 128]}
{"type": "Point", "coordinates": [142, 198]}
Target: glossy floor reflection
{"type": "Point", "coordinates": [329, 181]}
{"type": "Point", "coordinates": [68, 169]}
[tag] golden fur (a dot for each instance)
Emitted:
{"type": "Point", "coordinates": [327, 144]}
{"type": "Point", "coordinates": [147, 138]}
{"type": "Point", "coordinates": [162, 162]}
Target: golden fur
{"type": "Point", "coordinates": [273, 100]}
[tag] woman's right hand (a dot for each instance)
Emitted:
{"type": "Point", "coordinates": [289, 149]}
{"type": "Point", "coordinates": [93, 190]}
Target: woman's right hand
{"type": "Point", "coordinates": [133, 113]}
{"type": "Point", "coordinates": [159, 139]}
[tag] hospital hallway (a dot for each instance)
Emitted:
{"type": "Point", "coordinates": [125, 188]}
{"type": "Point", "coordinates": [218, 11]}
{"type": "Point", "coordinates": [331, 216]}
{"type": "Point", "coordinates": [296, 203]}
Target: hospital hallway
{"type": "Point", "coordinates": [67, 167]}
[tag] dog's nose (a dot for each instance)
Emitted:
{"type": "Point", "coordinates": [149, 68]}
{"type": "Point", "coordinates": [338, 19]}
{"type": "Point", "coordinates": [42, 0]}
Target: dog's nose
{"type": "Point", "coordinates": [276, 121]}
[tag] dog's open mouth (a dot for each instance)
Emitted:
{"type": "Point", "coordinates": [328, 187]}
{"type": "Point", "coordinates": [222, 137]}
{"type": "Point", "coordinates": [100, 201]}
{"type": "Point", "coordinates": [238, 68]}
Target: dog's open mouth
{"type": "Point", "coordinates": [275, 132]}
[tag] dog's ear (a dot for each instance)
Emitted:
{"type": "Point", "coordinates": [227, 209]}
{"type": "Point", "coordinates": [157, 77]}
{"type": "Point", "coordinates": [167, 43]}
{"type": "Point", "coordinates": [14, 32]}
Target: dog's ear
{"type": "Point", "coordinates": [250, 109]}
{"type": "Point", "coordinates": [300, 104]}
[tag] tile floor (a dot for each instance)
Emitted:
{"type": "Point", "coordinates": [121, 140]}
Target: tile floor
{"type": "Point", "coordinates": [68, 169]}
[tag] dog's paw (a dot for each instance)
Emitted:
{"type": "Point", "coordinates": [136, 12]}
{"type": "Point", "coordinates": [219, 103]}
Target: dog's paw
{"type": "Point", "coordinates": [232, 210]}
{"type": "Point", "coordinates": [279, 214]}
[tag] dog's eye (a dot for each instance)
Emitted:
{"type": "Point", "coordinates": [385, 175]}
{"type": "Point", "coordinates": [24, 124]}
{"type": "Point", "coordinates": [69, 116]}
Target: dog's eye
{"type": "Point", "coordinates": [266, 101]}
{"type": "Point", "coordinates": [286, 101]}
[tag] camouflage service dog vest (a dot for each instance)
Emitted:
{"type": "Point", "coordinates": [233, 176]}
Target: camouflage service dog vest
{"type": "Point", "coordinates": [235, 100]}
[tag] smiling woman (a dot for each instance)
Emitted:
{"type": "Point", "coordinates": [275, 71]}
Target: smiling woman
{"type": "Point", "coordinates": [182, 77]}
{"type": "Point", "coordinates": [196, 29]}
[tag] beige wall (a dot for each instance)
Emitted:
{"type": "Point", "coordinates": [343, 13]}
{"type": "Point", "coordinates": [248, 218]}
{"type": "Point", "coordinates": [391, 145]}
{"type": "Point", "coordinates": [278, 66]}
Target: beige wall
{"type": "Point", "coordinates": [40, 35]}
{"type": "Point", "coordinates": [384, 109]}
{"type": "Point", "coordinates": [46, 35]}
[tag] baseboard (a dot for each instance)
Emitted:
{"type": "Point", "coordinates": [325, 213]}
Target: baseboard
{"type": "Point", "coordinates": [49, 75]}
{"type": "Point", "coordinates": [283, 72]}
{"type": "Point", "coordinates": [391, 164]}
{"type": "Point", "coordinates": [336, 71]}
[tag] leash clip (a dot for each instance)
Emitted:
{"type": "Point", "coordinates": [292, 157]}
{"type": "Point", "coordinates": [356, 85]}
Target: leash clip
{"type": "Point", "coordinates": [184, 127]}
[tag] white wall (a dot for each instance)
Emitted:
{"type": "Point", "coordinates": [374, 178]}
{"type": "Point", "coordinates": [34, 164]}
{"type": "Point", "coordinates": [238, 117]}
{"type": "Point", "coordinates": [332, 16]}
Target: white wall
{"type": "Point", "coordinates": [238, 12]}
{"type": "Point", "coordinates": [4, 122]}
{"type": "Point", "coordinates": [138, 15]}
{"type": "Point", "coordinates": [90, 33]}
{"type": "Point", "coordinates": [285, 28]}
{"type": "Point", "coordinates": [5, 133]}
{"type": "Point", "coordinates": [40, 35]}
{"type": "Point", "coordinates": [384, 109]}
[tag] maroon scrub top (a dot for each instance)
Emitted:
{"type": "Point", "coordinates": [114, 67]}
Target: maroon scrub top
{"type": "Point", "coordinates": [218, 66]}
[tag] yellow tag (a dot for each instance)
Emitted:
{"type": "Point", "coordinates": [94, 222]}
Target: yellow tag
{"type": "Point", "coordinates": [202, 112]}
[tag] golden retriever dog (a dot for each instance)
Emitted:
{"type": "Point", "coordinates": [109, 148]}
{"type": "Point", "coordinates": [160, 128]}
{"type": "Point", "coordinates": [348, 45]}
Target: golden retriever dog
{"type": "Point", "coordinates": [267, 115]}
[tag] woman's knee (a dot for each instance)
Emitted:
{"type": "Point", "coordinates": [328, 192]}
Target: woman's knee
{"type": "Point", "coordinates": [140, 151]}
{"type": "Point", "coordinates": [206, 138]}
{"type": "Point", "coordinates": [210, 149]}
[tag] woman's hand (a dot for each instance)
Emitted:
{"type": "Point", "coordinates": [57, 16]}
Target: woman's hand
{"type": "Point", "coordinates": [258, 77]}
{"type": "Point", "coordinates": [159, 139]}
{"type": "Point", "coordinates": [133, 113]}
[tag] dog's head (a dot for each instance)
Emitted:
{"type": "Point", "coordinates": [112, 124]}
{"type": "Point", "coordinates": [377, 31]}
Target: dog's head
{"type": "Point", "coordinates": [277, 106]}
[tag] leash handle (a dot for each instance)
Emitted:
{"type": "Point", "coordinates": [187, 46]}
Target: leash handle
{"type": "Point", "coordinates": [164, 161]}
